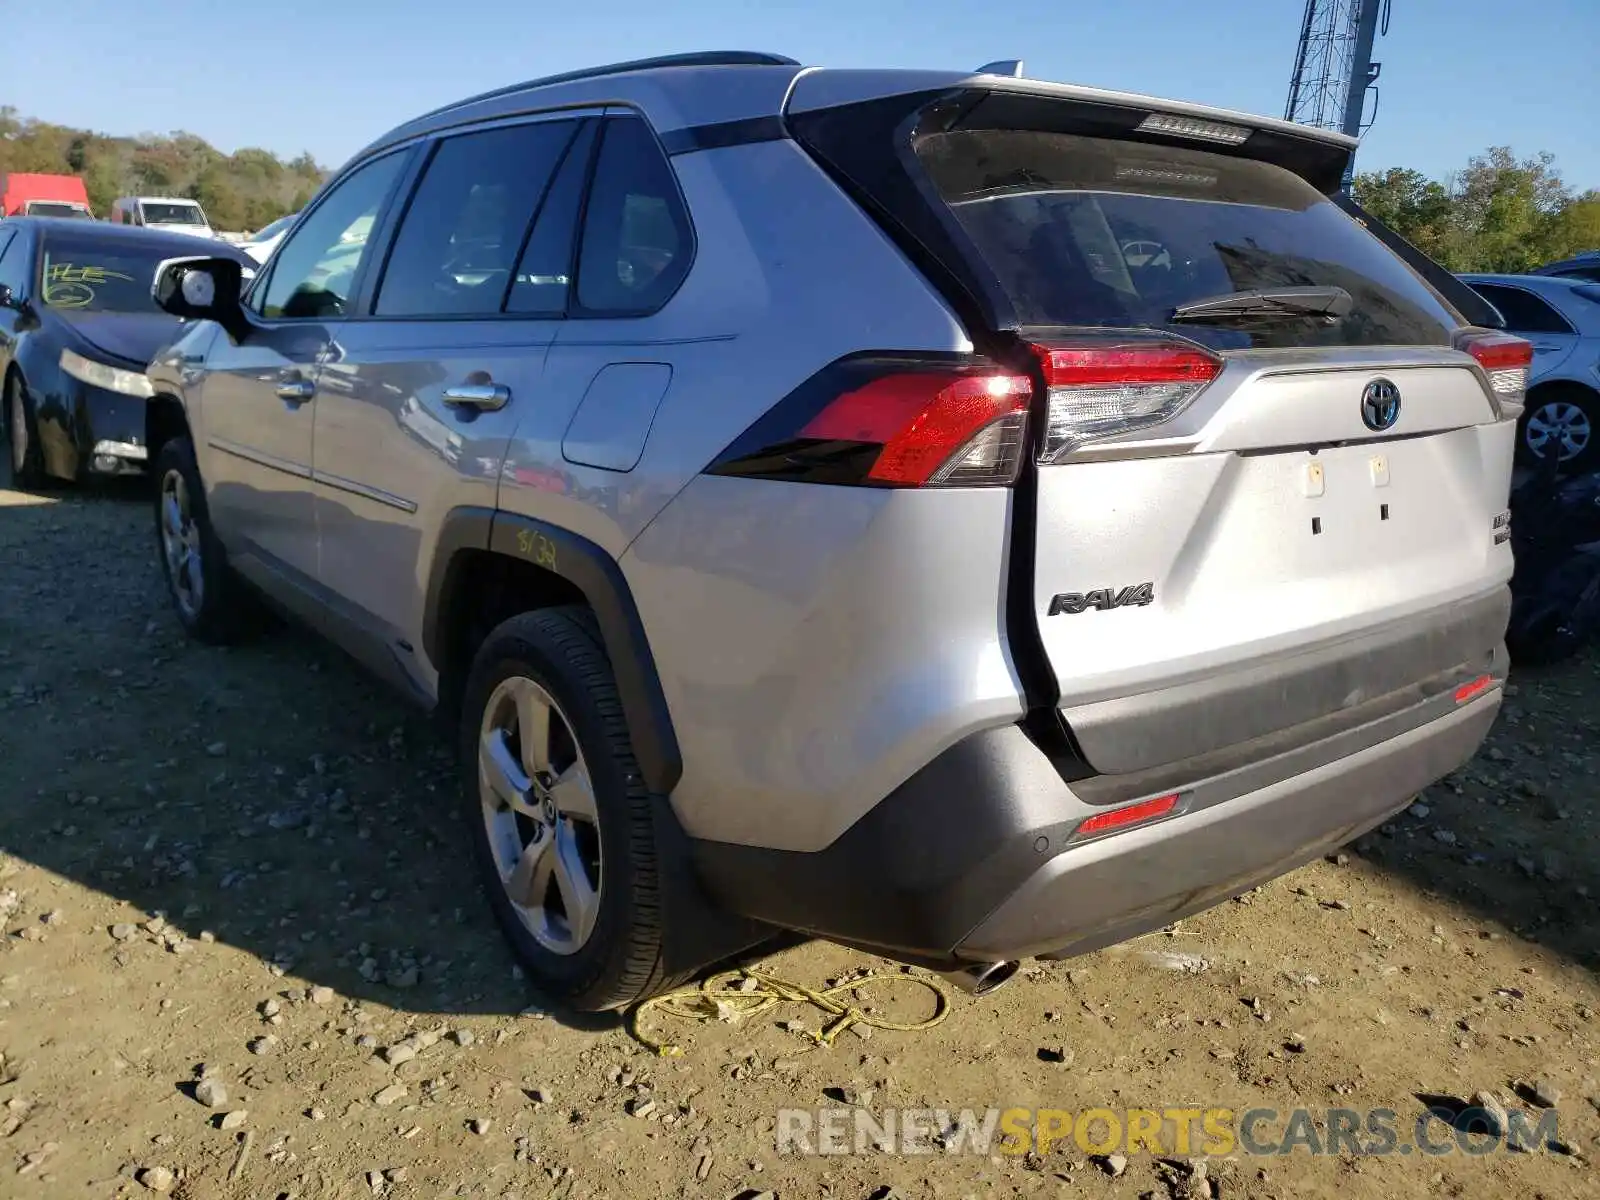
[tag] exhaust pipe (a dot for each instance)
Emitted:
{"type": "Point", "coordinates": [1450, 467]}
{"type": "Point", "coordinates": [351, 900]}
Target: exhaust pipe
{"type": "Point", "coordinates": [983, 978]}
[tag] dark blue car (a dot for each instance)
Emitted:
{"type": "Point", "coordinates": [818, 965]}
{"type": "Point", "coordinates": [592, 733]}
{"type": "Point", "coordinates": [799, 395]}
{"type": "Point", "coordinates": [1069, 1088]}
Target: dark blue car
{"type": "Point", "coordinates": [77, 327]}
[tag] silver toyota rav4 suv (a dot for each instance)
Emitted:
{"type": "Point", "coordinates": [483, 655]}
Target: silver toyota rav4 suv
{"type": "Point", "coordinates": [959, 516]}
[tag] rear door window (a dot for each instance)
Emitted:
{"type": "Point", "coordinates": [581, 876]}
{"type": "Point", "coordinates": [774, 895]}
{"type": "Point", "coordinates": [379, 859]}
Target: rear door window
{"type": "Point", "coordinates": [1084, 231]}
{"type": "Point", "coordinates": [464, 228]}
{"type": "Point", "coordinates": [1524, 312]}
{"type": "Point", "coordinates": [544, 272]}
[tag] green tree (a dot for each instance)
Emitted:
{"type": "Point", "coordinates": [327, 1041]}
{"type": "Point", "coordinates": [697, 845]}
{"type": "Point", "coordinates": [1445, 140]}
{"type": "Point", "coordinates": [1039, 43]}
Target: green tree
{"type": "Point", "coordinates": [240, 191]}
{"type": "Point", "coordinates": [1577, 227]}
{"type": "Point", "coordinates": [1508, 211]}
{"type": "Point", "coordinates": [1500, 213]}
{"type": "Point", "coordinates": [1411, 204]}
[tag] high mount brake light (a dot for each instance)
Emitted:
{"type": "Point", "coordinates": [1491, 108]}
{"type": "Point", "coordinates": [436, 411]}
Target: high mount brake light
{"type": "Point", "coordinates": [1103, 388]}
{"type": "Point", "coordinates": [1193, 127]}
{"type": "Point", "coordinates": [1505, 358]}
{"type": "Point", "coordinates": [892, 421]}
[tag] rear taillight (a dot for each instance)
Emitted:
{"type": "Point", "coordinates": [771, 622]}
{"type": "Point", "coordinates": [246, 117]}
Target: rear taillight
{"type": "Point", "coordinates": [1101, 389]}
{"type": "Point", "coordinates": [892, 421]}
{"type": "Point", "coordinates": [1505, 358]}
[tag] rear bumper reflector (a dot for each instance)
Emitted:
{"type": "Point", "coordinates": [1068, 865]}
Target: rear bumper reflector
{"type": "Point", "coordinates": [1122, 818]}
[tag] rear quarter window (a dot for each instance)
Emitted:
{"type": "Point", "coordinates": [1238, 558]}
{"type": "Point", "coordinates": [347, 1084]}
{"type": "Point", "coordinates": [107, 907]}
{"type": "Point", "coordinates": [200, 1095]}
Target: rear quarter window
{"type": "Point", "coordinates": [1085, 231]}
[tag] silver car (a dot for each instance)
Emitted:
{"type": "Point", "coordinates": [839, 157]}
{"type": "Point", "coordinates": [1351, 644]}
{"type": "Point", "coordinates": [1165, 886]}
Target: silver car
{"type": "Point", "coordinates": [1560, 315]}
{"type": "Point", "coordinates": [960, 516]}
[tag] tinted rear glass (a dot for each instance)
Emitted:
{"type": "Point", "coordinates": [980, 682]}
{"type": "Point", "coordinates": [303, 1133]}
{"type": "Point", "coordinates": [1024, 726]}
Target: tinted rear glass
{"type": "Point", "coordinates": [51, 208]}
{"type": "Point", "coordinates": [1091, 231]}
{"type": "Point", "coordinates": [1523, 311]}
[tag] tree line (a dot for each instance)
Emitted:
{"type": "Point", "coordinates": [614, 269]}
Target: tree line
{"type": "Point", "coordinates": [240, 192]}
{"type": "Point", "coordinates": [1500, 213]}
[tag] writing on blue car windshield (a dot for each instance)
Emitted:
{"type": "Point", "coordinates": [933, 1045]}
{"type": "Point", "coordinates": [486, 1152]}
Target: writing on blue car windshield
{"type": "Point", "coordinates": [88, 275]}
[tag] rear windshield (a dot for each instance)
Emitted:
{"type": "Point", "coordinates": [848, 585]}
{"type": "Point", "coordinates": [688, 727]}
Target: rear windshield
{"type": "Point", "coordinates": [55, 208]}
{"type": "Point", "coordinates": [1091, 231]}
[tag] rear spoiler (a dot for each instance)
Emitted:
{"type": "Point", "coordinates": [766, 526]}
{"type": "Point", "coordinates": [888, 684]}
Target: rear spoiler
{"type": "Point", "coordinates": [1472, 307]}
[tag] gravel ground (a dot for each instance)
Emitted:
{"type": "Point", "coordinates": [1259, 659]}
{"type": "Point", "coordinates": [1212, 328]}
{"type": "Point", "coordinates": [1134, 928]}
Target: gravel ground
{"type": "Point", "coordinates": [235, 885]}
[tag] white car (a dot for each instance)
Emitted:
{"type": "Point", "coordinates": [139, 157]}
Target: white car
{"type": "Point", "coordinates": [171, 214]}
{"type": "Point", "coordinates": [260, 244]}
{"type": "Point", "coordinates": [1561, 317]}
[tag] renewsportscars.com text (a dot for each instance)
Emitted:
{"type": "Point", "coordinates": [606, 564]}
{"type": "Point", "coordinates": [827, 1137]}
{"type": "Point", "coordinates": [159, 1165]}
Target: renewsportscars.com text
{"type": "Point", "coordinates": [1161, 1131]}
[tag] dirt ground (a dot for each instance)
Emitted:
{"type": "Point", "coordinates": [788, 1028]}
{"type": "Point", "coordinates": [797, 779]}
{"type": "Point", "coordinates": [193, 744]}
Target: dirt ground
{"type": "Point", "coordinates": [248, 867]}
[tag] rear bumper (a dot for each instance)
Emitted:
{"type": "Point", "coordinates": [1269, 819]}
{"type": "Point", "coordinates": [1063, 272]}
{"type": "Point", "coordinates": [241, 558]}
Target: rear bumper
{"type": "Point", "coordinates": [1120, 887]}
{"type": "Point", "coordinates": [977, 857]}
{"type": "Point", "coordinates": [1144, 742]}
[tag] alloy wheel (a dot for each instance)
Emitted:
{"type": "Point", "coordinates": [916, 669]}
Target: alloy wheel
{"type": "Point", "coordinates": [18, 430]}
{"type": "Point", "coordinates": [1562, 421]}
{"type": "Point", "coordinates": [540, 815]}
{"type": "Point", "coordinates": [180, 542]}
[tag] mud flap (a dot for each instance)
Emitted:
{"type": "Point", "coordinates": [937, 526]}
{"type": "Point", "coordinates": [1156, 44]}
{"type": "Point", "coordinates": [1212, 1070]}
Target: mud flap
{"type": "Point", "coordinates": [697, 934]}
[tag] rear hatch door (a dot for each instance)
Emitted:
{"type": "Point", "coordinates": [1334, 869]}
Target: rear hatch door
{"type": "Point", "coordinates": [1248, 515]}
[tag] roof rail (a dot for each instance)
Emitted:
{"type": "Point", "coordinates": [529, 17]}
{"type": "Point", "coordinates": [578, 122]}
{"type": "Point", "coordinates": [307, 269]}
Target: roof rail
{"type": "Point", "coordinates": [699, 58]}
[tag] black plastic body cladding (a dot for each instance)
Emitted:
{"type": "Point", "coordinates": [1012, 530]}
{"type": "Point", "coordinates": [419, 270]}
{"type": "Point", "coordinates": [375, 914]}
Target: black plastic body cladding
{"type": "Point", "coordinates": [594, 573]}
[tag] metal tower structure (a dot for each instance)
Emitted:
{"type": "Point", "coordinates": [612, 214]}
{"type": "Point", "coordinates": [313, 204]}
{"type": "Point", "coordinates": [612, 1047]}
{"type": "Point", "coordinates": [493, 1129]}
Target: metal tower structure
{"type": "Point", "coordinates": [1333, 66]}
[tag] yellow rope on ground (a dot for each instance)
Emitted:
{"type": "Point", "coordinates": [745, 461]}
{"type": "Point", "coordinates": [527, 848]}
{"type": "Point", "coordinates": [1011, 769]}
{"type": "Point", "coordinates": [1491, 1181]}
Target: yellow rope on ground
{"type": "Point", "coordinates": [736, 996]}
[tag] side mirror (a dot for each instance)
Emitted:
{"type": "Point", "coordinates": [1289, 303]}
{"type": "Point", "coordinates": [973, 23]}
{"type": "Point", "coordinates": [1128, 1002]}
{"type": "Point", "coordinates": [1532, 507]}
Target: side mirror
{"type": "Point", "coordinates": [205, 289]}
{"type": "Point", "coordinates": [8, 298]}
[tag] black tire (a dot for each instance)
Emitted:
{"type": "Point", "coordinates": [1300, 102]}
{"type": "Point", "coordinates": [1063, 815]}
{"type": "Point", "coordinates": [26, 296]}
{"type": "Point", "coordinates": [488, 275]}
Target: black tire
{"type": "Point", "coordinates": [1543, 645]}
{"type": "Point", "coordinates": [29, 474]}
{"type": "Point", "coordinates": [623, 959]}
{"type": "Point", "coordinates": [1579, 397]}
{"type": "Point", "coordinates": [227, 610]}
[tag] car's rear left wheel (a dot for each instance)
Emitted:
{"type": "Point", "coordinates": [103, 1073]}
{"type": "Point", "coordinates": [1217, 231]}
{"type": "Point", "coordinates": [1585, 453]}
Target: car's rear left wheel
{"type": "Point", "coordinates": [562, 823]}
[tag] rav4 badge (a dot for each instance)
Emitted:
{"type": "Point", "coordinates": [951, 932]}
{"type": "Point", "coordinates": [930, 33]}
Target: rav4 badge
{"type": "Point", "coordinates": [1137, 595]}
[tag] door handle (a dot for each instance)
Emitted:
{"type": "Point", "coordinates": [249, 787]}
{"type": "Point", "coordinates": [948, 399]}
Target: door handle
{"type": "Point", "coordinates": [483, 397]}
{"type": "Point", "coordinates": [297, 392]}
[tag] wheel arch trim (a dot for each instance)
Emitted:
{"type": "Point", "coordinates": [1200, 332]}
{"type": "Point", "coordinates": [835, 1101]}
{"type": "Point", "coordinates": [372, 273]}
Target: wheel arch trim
{"type": "Point", "coordinates": [1551, 383]}
{"type": "Point", "coordinates": [593, 571]}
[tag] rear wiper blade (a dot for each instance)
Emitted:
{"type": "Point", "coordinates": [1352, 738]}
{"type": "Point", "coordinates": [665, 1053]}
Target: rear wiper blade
{"type": "Point", "coordinates": [1330, 303]}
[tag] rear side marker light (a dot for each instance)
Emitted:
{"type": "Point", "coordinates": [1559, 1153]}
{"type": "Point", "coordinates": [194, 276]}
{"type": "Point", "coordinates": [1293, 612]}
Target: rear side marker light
{"type": "Point", "coordinates": [1122, 818]}
{"type": "Point", "coordinates": [1102, 388]}
{"type": "Point", "coordinates": [892, 421]}
{"type": "Point", "coordinates": [1505, 359]}
{"type": "Point", "coordinates": [1193, 127]}
{"type": "Point", "coordinates": [1471, 691]}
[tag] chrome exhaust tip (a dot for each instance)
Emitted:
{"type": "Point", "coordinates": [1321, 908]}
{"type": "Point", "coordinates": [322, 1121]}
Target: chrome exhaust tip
{"type": "Point", "coordinates": [983, 978]}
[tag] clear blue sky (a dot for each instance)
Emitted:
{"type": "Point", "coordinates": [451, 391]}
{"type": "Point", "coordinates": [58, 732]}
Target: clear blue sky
{"type": "Point", "coordinates": [328, 75]}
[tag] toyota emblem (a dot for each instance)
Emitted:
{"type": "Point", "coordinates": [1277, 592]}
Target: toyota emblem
{"type": "Point", "coordinates": [1380, 405]}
